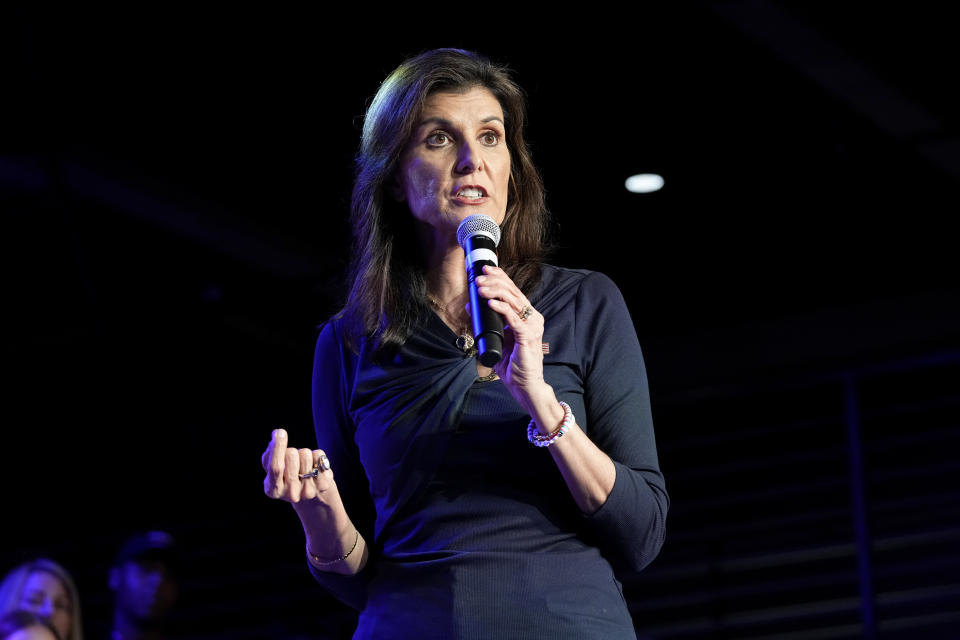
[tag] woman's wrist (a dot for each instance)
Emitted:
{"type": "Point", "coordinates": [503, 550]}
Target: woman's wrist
{"type": "Point", "coordinates": [326, 524]}
{"type": "Point", "coordinates": [544, 408]}
{"type": "Point", "coordinates": [335, 542]}
{"type": "Point", "coordinates": [325, 553]}
{"type": "Point", "coordinates": [537, 438]}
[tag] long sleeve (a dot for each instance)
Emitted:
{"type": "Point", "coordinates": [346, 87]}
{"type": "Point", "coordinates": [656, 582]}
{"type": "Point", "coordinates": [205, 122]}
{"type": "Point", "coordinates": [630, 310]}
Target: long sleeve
{"type": "Point", "coordinates": [469, 518]}
{"type": "Point", "coordinates": [332, 371]}
{"type": "Point", "coordinates": [629, 527]}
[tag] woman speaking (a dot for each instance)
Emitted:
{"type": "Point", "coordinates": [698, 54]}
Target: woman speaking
{"type": "Point", "coordinates": [449, 499]}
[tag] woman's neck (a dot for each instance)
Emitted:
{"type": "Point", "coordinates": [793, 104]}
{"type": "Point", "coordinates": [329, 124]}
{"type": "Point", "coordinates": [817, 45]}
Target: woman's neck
{"type": "Point", "coordinates": [446, 281]}
{"type": "Point", "coordinates": [447, 291]}
{"type": "Point", "coordinates": [446, 278]}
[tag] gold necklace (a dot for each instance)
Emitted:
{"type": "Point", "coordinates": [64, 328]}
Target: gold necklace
{"type": "Point", "coordinates": [487, 378]}
{"type": "Point", "coordinates": [465, 339]}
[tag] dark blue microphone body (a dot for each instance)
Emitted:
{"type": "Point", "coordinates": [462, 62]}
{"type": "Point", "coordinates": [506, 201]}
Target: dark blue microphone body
{"type": "Point", "coordinates": [478, 236]}
{"type": "Point", "coordinates": [487, 323]}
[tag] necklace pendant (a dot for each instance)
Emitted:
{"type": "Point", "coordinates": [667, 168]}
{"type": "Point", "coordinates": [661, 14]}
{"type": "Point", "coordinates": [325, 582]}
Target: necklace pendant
{"type": "Point", "coordinates": [465, 342]}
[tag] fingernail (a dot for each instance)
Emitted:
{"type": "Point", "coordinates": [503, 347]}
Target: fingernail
{"type": "Point", "coordinates": [481, 279]}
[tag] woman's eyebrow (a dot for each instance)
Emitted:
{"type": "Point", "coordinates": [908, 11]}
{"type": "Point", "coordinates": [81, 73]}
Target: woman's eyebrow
{"type": "Point", "coordinates": [443, 122]}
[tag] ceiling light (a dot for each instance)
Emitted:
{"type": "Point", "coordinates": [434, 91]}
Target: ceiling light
{"type": "Point", "coordinates": [644, 183]}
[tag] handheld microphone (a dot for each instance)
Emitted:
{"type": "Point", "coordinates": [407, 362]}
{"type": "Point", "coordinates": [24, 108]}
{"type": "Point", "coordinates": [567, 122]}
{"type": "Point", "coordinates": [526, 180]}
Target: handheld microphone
{"type": "Point", "coordinates": [478, 235]}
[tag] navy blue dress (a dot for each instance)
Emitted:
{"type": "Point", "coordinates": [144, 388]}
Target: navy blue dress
{"type": "Point", "coordinates": [475, 534]}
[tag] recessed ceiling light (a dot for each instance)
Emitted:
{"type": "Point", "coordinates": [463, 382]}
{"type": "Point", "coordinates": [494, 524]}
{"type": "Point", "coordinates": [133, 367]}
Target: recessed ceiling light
{"type": "Point", "coordinates": [644, 183]}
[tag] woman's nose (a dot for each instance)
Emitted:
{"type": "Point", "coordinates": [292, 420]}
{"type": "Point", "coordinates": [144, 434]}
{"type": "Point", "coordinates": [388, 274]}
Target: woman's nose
{"type": "Point", "coordinates": [468, 158]}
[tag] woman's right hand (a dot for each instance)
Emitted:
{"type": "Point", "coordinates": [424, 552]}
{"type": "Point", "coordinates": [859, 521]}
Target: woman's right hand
{"type": "Point", "coordinates": [284, 465]}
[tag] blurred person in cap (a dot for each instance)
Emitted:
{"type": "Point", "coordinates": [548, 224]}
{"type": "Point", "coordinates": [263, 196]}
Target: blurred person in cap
{"type": "Point", "coordinates": [145, 585]}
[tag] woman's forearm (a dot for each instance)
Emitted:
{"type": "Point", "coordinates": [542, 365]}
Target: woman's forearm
{"type": "Point", "coordinates": [333, 542]}
{"type": "Point", "coordinates": [588, 471]}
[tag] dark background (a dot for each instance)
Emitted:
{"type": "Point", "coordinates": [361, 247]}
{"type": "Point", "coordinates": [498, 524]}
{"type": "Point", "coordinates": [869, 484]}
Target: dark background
{"type": "Point", "coordinates": [174, 188]}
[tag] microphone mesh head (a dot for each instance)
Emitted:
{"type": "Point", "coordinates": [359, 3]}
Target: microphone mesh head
{"type": "Point", "coordinates": [478, 224]}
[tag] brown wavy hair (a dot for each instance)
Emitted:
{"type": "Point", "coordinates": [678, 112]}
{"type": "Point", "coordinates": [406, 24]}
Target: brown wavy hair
{"type": "Point", "coordinates": [387, 295]}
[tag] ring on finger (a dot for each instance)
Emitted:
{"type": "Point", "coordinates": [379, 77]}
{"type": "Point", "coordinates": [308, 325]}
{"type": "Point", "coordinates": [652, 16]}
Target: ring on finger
{"type": "Point", "coordinates": [525, 312]}
{"type": "Point", "coordinates": [323, 464]}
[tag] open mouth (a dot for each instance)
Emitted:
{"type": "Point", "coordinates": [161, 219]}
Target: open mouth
{"type": "Point", "coordinates": [471, 193]}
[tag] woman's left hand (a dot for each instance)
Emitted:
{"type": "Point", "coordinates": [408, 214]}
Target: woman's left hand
{"type": "Point", "coordinates": [521, 367]}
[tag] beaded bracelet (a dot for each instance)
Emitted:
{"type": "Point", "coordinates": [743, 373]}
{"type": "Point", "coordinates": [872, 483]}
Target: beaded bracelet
{"type": "Point", "coordinates": [540, 440]}
{"type": "Point", "coordinates": [323, 563]}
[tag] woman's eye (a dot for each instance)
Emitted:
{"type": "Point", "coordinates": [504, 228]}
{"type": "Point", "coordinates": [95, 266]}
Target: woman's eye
{"type": "Point", "coordinates": [490, 138]}
{"type": "Point", "coordinates": [438, 139]}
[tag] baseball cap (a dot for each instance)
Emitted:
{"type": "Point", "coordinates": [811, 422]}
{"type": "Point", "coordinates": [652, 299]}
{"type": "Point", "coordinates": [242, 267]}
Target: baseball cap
{"type": "Point", "coordinates": [147, 545]}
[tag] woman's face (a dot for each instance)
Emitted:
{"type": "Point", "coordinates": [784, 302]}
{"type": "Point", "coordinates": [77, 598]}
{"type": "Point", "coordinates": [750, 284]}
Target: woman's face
{"type": "Point", "coordinates": [456, 163]}
{"type": "Point", "coordinates": [45, 595]}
